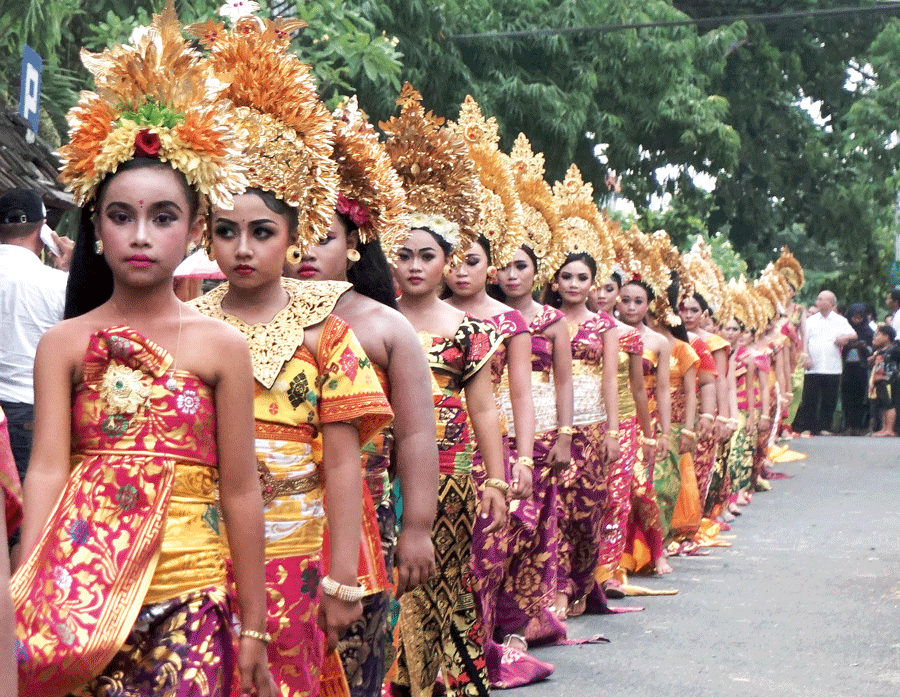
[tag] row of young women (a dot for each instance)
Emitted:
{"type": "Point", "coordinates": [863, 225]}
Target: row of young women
{"type": "Point", "coordinates": [157, 428]}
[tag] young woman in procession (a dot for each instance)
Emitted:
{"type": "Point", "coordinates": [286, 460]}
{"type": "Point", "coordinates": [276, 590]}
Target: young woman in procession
{"type": "Point", "coordinates": [139, 436]}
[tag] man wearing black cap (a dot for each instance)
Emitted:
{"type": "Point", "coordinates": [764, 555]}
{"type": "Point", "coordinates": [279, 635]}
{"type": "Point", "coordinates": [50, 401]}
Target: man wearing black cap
{"type": "Point", "coordinates": [32, 297]}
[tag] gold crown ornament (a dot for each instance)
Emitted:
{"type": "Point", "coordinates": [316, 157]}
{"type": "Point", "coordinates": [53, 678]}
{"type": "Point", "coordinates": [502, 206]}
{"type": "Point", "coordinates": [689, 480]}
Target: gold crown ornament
{"type": "Point", "coordinates": [788, 266]}
{"type": "Point", "coordinates": [439, 177]}
{"type": "Point", "coordinates": [642, 263]}
{"type": "Point", "coordinates": [738, 303]}
{"type": "Point", "coordinates": [288, 131]}
{"type": "Point", "coordinates": [157, 98]}
{"type": "Point", "coordinates": [667, 259]}
{"type": "Point", "coordinates": [705, 276]}
{"type": "Point", "coordinates": [542, 224]}
{"type": "Point", "coordinates": [585, 231]}
{"type": "Point", "coordinates": [371, 193]}
{"type": "Point", "coordinates": [501, 210]}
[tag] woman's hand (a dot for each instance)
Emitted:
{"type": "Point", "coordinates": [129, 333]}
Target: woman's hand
{"type": "Point", "coordinates": [662, 447]}
{"type": "Point", "coordinates": [560, 454]}
{"type": "Point", "coordinates": [522, 480]}
{"type": "Point", "coordinates": [414, 558]}
{"type": "Point", "coordinates": [609, 448]}
{"type": "Point", "coordinates": [686, 442]}
{"type": "Point", "coordinates": [253, 665]}
{"type": "Point", "coordinates": [493, 506]}
{"type": "Point", "coordinates": [336, 616]}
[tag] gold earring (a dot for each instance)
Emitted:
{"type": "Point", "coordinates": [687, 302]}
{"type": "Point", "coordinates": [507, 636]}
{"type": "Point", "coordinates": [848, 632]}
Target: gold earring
{"type": "Point", "coordinates": [293, 255]}
{"type": "Point", "coordinates": [492, 273]}
{"type": "Point", "coordinates": [98, 246]}
{"type": "Point", "coordinates": [210, 252]}
{"type": "Point", "coordinates": [353, 255]}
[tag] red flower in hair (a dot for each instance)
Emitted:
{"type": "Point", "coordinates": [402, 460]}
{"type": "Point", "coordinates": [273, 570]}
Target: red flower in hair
{"type": "Point", "coordinates": [354, 210]}
{"type": "Point", "coordinates": [146, 143]}
{"type": "Point", "coordinates": [636, 278]}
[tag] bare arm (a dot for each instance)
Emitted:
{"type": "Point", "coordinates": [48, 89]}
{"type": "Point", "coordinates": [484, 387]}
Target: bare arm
{"type": "Point", "coordinates": [242, 504]}
{"type": "Point", "coordinates": [663, 399]}
{"type": "Point", "coordinates": [707, 382]}
{"type": "Point", "coordinates": [610, 446]}
{"type": "Point", "coordinates": [416, 456]}
{"type": "Point", "coordinates": [48, 468]}
{"type": "Point", "coordinates": [639, 393]}
{"type": "Point", "coordinates": [721, 429]}
{"type": "Point", "coordinates": [8, 670]}
{"type": "Point", "coordinates": [519, 367]}
{"type": "Point", "coordinates": [486, 424]}
{"type": "Point", "coordinates": [689, 385]}
{"type": "Point", "coordinates": [343, 508]}
{"type": "Point", "coordinates": [561, 452]}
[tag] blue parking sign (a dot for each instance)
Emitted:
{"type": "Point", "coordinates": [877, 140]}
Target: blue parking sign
{"type": "Point", "coordinates": [30, 88]}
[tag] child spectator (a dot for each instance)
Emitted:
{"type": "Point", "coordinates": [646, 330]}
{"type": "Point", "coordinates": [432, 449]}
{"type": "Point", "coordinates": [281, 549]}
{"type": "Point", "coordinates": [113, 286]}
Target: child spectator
{"type": "Point", "coordinates": [884, 384]}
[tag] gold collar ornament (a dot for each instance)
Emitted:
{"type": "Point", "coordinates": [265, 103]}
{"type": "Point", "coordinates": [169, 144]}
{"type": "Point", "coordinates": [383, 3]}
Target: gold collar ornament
{"type": "Point", "coordinates": [155, 97]}
{"type": "Point", "coordinates": [438, 175]}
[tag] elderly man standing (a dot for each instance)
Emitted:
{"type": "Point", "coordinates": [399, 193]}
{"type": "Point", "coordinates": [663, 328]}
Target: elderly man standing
{"type": "Point", "coordinates": [32, 297]}
{"type": "Point", "coordinates": [825, 335]}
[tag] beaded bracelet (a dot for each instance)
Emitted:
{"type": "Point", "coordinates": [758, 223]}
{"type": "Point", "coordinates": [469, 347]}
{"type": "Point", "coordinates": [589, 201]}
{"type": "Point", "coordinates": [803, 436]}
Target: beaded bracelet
{"type": "Point", "coordinates": [689, 433]}
{"type": "Point", "coordinates": [614, 433]}
{"type": "Point", "coordinates": [707, 416]}
{"type": "Point", "coordinates": [498, 484]}
{"type": "Point", "coordinates": [264, 637]}
{"type": "Point", "coordinates": [525, 462]}
{"type": "Point", "coordinates": [566, 430]}
{"type": "Point", "coordinates": [648, 441]}
{"type": "Point", "coordinates": [349, 594]}
{"type": "Point", "coordinates": [722, 419]}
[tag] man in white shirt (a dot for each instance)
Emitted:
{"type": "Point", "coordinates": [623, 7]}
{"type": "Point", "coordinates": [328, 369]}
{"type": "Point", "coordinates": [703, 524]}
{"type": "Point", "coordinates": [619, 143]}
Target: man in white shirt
{"type": "Point", "coordinates": [32, 297]}
{"type": "Point", "coordinates": [825, 335]}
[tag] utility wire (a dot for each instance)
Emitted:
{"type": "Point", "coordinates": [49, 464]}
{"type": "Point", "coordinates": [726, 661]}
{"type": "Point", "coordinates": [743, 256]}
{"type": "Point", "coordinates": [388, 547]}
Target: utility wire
{"type": "Point", "coordinates": [704, 22]}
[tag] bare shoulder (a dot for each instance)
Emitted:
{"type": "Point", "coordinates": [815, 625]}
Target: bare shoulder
{"type": "Point", "coordinates": [69, 338]}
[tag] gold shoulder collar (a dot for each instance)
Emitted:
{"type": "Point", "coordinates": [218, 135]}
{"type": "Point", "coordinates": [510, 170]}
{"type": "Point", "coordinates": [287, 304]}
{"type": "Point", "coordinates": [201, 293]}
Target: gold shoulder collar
{"type": "Point", "coordinates": [273, 343]}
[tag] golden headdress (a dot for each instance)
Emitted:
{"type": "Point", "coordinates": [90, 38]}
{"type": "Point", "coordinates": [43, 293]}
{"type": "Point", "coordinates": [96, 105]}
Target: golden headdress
{"type": "Point", "coordinates": [544, 232]}
{"type": "Point", "coordinates": [371, 193]}
{"type": "Point", "coordinates": [788, 266]}
{"type": "Point", "coordinates": [438, 175]}
{"type": "Point", "coordinates": [501, 211]}
{"type": "Point", "coordinates": [667, 260]}
{"type": "Point", "coordinates": [156, 97]}
{"type": "Point", "coordinates": [289, 131]}
{"type": "Point", "coordinates": [739, 303]}
{"type": "Point", "coordinates": [643, 262]}
{"type": "Point", "coordinates": [705, 276]}
{"type": "Point", "coordinates": [584, 226]}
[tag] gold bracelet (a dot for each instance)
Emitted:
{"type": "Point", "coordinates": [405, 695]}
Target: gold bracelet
{"type": "Point", "coordinates": [722, 419]}
{"type": "Point", "coordinates": [707, 416]}
{"type": "Point", "coordinates": [349, 594]}
{"type": "Point", "coordinates": [498, 484]}
{"type": "Point", "coordinates": [264, 637]}
{"type": "Point", "coordinates": [648, 441]}
{"type": "Point", "coordinates": [733, 422]}
{"type": "Point", "coordinates": [613, 432]}
{"type": "Point", "coordinates": [525, 462]}
{"type": "Point", "coordinates": [665, 435]}
{"type": "Point", "coordinates": [689, 433]}
{"type": "Point", "coordinates": [566, 430]}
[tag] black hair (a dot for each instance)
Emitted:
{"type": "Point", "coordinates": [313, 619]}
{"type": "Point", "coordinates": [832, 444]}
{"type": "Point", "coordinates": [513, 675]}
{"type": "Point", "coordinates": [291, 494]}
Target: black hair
{"type": "Point", "coordinates": [895, 294]}
{"type": "Point", "coordinates": [276, 205]}
{"type": "Point", "coordinates": [500, 295]}
{"type": "Point", "coordinates": [888, 331]}
{"type": "Point", "coordinates": [445, 246]}
{"type": "Point", "coordinates": [552, 297]}
{"type": "Point", "coordinates": [370, 274]}
{"type": "Point", "coordinates": [701, 301]}
{"type": "Point", "coordinates": [618, 278]}
{"type": "Point", "coordinates": [650, 294]}
{"type": "Point", "coordinates": [679, 331]}
{"type": "Point", "coordinates": [90, 281]}
{"type": "Point", "coordinates": [531, 255]}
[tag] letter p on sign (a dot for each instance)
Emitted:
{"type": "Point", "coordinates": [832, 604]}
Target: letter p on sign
{"type": "Point", "coordinates": [30, 87]}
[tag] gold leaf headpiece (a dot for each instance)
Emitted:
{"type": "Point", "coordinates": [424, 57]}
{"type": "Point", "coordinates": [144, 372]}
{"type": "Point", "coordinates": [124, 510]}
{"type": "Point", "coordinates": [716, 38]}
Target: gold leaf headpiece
{"type": "Point", "coordinates": [155, 97]}
{"type": "Point", "coordinates": [739, 303]}
{"type": "Point", "coordinates": [371, 192]}
{"type": "Point", "coordinates": [542, 224]}
{"type": "Point", "coordinates": [669, 258]}
{"type": "Point", "coordinates": [704, 275]}
{"type": "Point", "coordinates": [643, 263]}
{"type": "Point", "coordinates": [788, 266]}
{"type": "Point", "coordinates": [584, 227]}
{"type": "Point", "coordinates": [274, 103]}
{"type": "Point", "coordinates": [501, 211]}
{"type": "Point", "coordinates": [437, 174]}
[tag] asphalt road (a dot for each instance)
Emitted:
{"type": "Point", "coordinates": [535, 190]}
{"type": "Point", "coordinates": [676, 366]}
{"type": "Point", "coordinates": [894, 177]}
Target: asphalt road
{"type": "Point", "coordinates": [806, 602]}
